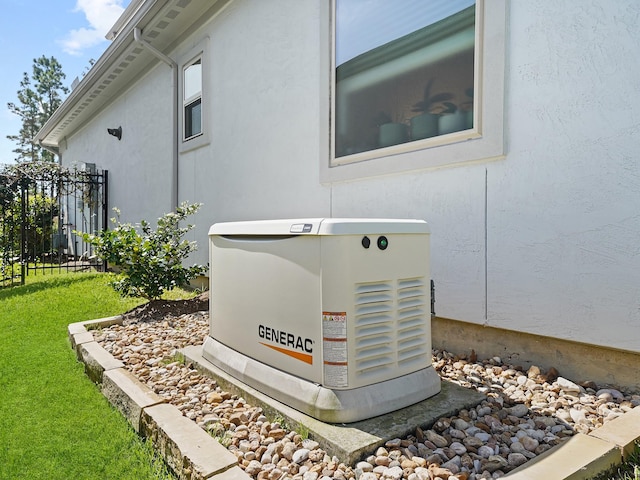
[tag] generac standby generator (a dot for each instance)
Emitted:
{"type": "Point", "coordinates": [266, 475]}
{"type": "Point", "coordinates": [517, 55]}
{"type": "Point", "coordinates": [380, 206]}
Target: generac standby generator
{"type": "Point", "coordinates": [329, 316]}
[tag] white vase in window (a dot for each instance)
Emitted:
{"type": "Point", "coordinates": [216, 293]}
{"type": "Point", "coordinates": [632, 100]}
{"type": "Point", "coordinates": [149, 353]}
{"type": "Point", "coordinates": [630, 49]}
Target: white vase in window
{"type": "Point", "coordinates": [424, 126]}
{"type": "Point", "coordinates": [392, 134]}
{"type": "Point", "coordinates": [452, 122]}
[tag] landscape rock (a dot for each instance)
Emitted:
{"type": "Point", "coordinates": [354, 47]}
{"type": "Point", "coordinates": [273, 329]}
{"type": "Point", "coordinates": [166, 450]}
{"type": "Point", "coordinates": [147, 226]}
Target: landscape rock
{"type": "Point", "coordinates": [526, 412]}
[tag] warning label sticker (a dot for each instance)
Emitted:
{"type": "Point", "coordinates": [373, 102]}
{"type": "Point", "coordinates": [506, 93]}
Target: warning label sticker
{"type": "Point", "coordinates": [334, 325]}
{"type": "Point", "coordinates": [334, 349]}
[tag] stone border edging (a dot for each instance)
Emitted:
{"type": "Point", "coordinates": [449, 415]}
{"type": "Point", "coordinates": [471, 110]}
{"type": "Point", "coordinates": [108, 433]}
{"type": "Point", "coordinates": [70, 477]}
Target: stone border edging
{"type": "Point", "coordinates": [584, 456]}
{"type": "Point", "coordinates": [189, 451]}
{"type": "Point", "coordinates": [192, 454]}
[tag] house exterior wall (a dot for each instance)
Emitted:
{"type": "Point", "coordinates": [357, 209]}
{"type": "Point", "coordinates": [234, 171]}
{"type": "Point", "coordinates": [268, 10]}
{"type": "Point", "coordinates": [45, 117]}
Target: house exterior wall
{"type": "Point", "coordinates": [563, 220]}
{"type": "Point", "coordinates": [543, 240]}
{"type": "Point", "coordinates": [268, 118]}
{"type": "Point", "coordinates": [139, 165]}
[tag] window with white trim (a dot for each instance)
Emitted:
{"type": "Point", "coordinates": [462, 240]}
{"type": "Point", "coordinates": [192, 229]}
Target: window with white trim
{"type": "Point", "coordinates": [192, 99]}
{"type": "Point", "coordinates": [417, 84]}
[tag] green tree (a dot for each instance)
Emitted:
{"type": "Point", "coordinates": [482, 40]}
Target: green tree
{"type": "Point", "coordinates": [39, 96]}
{"type": "Point", "coordinates": [27, 110]}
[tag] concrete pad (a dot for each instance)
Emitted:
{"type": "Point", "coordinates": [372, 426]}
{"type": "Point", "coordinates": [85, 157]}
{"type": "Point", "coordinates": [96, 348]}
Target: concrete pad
{"type": "Point", "coordinates": [622, 431]}
{"type": "Point", "coordinates": [130, 396]}
{"type": "Point", "coordinates": [318, 401]}
{"type": "Point", "coordinates": [580, 457]}
{"type": "Point", "coordinates": [349, 442]}
{"type": "Point", "coordinates": [188, 450]}
{"type": "Point", "coordinates": [96, 360]}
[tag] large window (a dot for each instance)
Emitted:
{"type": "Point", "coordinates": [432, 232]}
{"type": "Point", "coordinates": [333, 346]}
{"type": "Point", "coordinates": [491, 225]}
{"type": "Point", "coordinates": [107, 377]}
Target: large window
{"type": "Point", "coordinates": [404, 71]}
{"type": "Point", "coordinates": [417, 84]}
{"type": "Point", "coordinates": [192, 99]}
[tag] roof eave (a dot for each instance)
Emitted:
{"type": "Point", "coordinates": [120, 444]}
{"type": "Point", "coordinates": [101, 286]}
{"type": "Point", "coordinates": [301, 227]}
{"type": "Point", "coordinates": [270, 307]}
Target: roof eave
{"type": "Point", "coordinates": [130, 20]}
{"type": "Point", "coordinates": [161, 22]}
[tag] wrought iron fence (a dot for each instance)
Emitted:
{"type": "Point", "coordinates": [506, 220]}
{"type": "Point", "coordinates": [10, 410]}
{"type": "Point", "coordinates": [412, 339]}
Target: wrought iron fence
{"type": "Point", "coordinates": [43, 208]}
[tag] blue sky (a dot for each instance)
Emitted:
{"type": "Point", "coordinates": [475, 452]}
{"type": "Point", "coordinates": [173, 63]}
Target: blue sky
{"type": "Point", "coordinates": [72, 31]}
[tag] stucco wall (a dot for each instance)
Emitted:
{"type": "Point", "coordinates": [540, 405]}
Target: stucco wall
{"type": "Point", "coordinates": [268, 123]}
{"type": "Point", "coordinates": [139, 165]}
{"type": "Point", "coordinates": [562, 211]}
{"type": "Point", "coordinates": [564, 216]}
{"type": "Point", "coordinates": [545, 240]}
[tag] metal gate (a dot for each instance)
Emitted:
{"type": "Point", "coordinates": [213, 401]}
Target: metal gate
{"type": "Point", "coordinates": [43, 210]}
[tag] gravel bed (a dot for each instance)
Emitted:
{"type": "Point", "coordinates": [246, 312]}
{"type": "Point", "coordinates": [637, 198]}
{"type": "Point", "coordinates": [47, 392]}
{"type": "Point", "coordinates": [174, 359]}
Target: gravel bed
{"type": "Point", "coordinates": [526, 412]}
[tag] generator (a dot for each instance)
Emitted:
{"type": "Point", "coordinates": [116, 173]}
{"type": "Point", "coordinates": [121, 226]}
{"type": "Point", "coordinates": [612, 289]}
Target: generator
{"type": "Point", "coordinates": [331, 316]}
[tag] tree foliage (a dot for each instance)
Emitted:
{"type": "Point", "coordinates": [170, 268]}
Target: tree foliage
{"type": "Point", "coordinates": [38, 97]}
{"type": "Point", "coordinates": [151, 261]}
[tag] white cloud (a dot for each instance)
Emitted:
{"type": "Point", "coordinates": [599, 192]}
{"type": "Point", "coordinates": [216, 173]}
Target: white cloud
{"type": "Point", "coordinates": [100, 15]}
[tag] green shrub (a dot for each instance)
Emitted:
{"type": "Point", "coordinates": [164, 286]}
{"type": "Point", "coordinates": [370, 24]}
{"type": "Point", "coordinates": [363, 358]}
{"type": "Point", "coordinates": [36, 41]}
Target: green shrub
{"type": "Point", "coordinates": [150, 262]}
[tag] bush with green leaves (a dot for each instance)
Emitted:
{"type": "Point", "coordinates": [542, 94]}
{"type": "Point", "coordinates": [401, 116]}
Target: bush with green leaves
{"type": "Point", "coordinates": [150, 261]}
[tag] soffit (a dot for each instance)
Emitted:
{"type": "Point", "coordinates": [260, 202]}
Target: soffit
{"type": "Point", "coordinates": [162, 24]}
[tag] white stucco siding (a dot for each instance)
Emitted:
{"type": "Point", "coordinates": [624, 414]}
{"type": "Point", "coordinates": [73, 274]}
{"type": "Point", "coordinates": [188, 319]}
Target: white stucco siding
{"type": "Point", "coordinates": [139, 165]}
{"type": "Point", "coordinates": [564, 207]}
{"type": "Point", "coordinates": [452, 201]}
{"type": "Point", "coordinates": [564, 257]}
{"type": "Point", "coordinates": [268, 125]}
{"type": "Point", "coordinates": [545, 240]}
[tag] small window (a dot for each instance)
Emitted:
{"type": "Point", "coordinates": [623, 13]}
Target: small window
{"type": "Point", "coordinates": [192, 99]}
{"type": "Point", "coordinates": [404, 72]}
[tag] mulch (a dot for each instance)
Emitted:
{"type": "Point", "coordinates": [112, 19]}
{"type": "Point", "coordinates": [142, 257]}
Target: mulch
{"type": "Point", "coordinates": [162, 309]}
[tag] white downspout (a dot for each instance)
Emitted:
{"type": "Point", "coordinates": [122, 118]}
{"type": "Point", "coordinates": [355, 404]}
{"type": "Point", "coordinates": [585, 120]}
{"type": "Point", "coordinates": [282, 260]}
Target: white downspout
{"type": "Point", "coordinates": [137, 36]}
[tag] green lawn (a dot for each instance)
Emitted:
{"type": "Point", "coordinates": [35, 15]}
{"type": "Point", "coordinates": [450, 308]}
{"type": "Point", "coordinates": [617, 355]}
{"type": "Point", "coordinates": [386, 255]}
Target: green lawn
{"type": "Point", "coordinates": [54, 423]}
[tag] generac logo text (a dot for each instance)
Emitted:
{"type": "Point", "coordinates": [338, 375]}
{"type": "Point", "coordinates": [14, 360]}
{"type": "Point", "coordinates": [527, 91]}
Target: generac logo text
{"type": "Point", "coordinates": [294, 346]}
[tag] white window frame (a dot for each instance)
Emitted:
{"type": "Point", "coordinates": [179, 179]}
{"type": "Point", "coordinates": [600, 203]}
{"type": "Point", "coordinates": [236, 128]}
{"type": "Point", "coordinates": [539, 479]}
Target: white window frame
{"type": "Point", "coordinates": [199, 52]}
{"type": "Point", "coordinates": [484, 142]}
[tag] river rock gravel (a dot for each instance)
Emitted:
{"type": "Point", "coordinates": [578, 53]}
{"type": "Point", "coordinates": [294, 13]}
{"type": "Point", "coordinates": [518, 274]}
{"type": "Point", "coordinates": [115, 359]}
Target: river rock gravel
{"type": "Point", "coordinates": [526, 412]}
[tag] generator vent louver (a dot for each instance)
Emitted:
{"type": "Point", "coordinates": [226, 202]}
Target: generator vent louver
{"type": "Point", "coordinates": [413, 341]}
{"type": "Point", "coordinates": [390, 325]}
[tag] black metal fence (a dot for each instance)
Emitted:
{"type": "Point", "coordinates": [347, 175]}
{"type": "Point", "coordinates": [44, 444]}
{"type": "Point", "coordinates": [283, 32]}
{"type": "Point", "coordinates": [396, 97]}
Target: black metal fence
{"type": "Point", "coordinates": [43, 208]}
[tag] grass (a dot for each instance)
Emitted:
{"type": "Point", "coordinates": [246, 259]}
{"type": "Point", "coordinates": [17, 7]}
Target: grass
{"type": "Point", "coordinates": [54, 423]}
{"type": "Point", "coordinates": [220, 434]}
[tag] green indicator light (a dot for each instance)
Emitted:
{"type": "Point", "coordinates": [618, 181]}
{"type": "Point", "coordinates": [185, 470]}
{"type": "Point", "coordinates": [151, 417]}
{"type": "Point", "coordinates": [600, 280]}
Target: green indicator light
{"type": "Point", "coordinates": [383, 243]}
